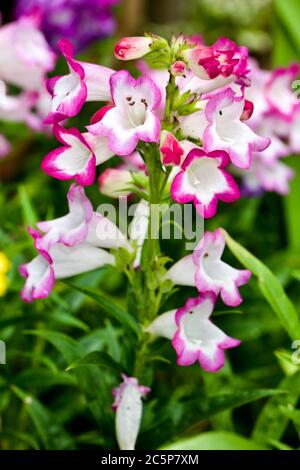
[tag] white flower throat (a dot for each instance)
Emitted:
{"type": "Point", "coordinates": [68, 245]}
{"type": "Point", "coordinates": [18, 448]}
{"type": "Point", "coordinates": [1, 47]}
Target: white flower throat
{"type": "Point", "coordinates": [136, 109]}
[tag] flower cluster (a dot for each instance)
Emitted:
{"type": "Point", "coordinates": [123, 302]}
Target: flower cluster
{"type": "Point", "coordinates": [25, 60]}
{"type": "Point", "coordinates": [177, 131]}
{"type": "Point", "coordinates": [82, 21]}
{"type": "Point", "coordinates": [276, 114]}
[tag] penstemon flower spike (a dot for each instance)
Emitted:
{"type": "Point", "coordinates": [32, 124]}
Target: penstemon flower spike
{"type": "Point", "coordinates": [181, 132]}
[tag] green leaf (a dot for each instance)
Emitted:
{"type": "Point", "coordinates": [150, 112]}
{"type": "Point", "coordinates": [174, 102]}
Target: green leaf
{"type": "Point", "coordinates": [50, 431]}
{"type": "Point", "coordinates": [177, 417]}
{"type": "Point", "coordinates": [109, 306]}
{"type": "Point", "coordinates": [209, 406]}
{"type": "Point", "coordinates": [29, 215]}
{"type": "Point", "coordinates": [27, 439]}
{"type": "Point", "coordinates": [279, 445]}
{"type": "Point", "coordinates": [43, 379]}
{"type": "Point", "coordinates": [291, 205]}
{"type": "Point", "coordinates": [292, 414]}
{"type": "Point", "coordinates": [64, 344]}
{"type": "Point", "coordinates": [97, 358]}
{"type": "Point", "coordinates": [4, 400]}
{"type": "Point", "coordinates": [68, 320]}
{"type": "Point", "coordinates": [89, 378]}
{"type": "Point", "coordinates": [288, 14]}
{"type": "Point", "coordinates": [215, 440]}
{"type": "Point", "coordinates": [271, 424]}
{"type": "Point", "coordinates": [270, 287]}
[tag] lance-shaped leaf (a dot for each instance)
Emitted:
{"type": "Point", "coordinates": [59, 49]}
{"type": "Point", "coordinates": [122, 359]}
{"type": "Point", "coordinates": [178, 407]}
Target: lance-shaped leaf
{"type": "Point", "coordinates": [271, 423]}
{"type": "Point", "coordinates": [97, 358]}
{"type": "Point", "coordinates": [216, 441]}
{"type": "Point", "coordinates": [49, 429]}
{"type": "Point", "coordinates": [270, 287]}
{"type": "Point", "coordinates": [110, 307]}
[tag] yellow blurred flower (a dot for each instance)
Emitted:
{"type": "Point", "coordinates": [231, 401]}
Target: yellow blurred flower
{"type": "Point", "coordinates": [4, 263]}
{"type": "Point", "coordinates": [4, 267]}
{"type": "Point", "coordinates": [3, 284]}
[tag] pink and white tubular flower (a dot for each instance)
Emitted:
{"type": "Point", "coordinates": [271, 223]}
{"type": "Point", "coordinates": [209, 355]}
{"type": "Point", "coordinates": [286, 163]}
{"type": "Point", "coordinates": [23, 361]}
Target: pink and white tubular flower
{"type": "Point", "coordinates": [85, 82]}
{"type": "Point", "coordinates": [135, 47]}
{"type": "Point", "coordinates": [223, 59]}
{"type": "Point", "coordinates": [77, 243]}
{"type": "Point", "coordinates": [271, 176]}
{"type": "Point", "coordinates": [58, 263]}
{"type": "Point", "coordinates": [170, 149]}
{"type": "Point", "coordinates": [282, 99]}
{"type": "Point", "coordinates": [256, 93]}
{"type": "Point", "coordinates": [203, 181]}
{"type": "Point", "coordinates": [70, 245]}
{"type": "Point", "coordinates": [77, 158]}
{"type": "Point", "coordinates": [16, 108]}
{"type": "Point", "coordinates": [194, 337]}
{"type": "Point", "coordinates": [71, 229]}
{"type": "Point", "coordinates": [205, 270]}
{"type": "Point", "coordinates": [128, 407]}
{"type": "Point", "coordinates": [25, 54]}
{"type": "Point", "coordinates": [226, 131]}
{"type": "Point", "coordinates": [133, 116]}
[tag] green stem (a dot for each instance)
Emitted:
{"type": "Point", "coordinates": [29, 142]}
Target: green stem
{"type": "Point", "coordinates": [158, 179]}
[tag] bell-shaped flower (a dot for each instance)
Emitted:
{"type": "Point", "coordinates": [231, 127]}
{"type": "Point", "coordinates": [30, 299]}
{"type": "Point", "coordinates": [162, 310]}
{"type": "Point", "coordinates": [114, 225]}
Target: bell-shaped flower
{"type": "Point", "coordinates": [203, 181]}
{"type": "Point", "coordinates": [226, 131]}
{"type": "Point", "coordinates": [16, 108]}
{"type": "Point", "coordinates": [282, 99]}
{"type": "Point", "coordinates": [128, 407]}
{"type": "Point", "coordinates": [71, 229]}
{"type": "Point", "coordinates": [58, 263]}
{"type": "Point", "coordinates": [256, 93]}
{"type": "Point", "coordinates": [70, 245]}
{"type": "Point", "coordinates": [194, 125]}
{"type": "Point", "coordinates": [78, 157]}
{"type": "Point", "coordinates": [133, 117]}
{"type": "Point", "coordinates": [76, 243]}
{"type": "Point", "coordinates": [194, 337]}
{"type": "Point", "coordinates": [205, 270]}
{"type": "Point", "coordinates": [267, 175]}
{"type": "Point", "coordinates": [40, 278]}
{"type": "Point", "coordinates": [85, 82]}
{"type": "Point", "coordinates": [134, 47]}
{"type": "Point", "coordinates": [224, 58]}
{"type": "Point", "coordinates": [75, 159]}
{"type": "Point", "coordinates": [25, 55]}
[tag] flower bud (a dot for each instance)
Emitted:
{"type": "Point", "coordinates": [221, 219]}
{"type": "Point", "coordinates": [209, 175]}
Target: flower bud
{"type": "Point", "coordinates": [178, 68]}
{"type": "Point", "coordinates": [170, 149]}
{"type": "Point", "coordinates": [130, 48]}
{"type": "Point", "coordinates": [128, 406]}
{"type": "Point", "coordinates": [113, 182]}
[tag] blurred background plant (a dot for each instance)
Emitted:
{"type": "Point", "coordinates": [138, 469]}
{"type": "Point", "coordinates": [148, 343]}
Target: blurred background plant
{"type": "Point", "coordinates": [242, 407]}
